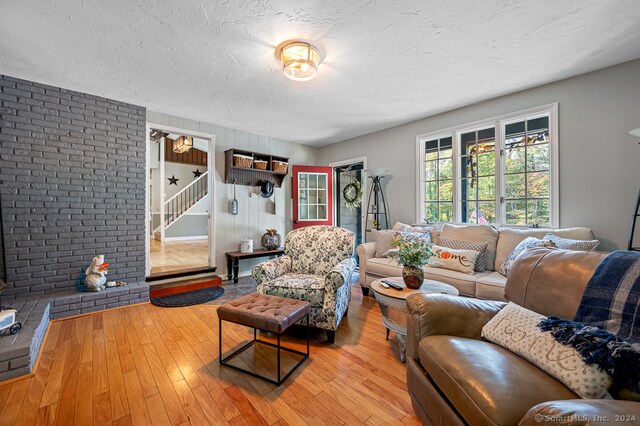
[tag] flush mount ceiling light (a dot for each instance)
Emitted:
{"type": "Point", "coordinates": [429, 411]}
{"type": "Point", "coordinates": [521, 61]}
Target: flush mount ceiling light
{"type": "Point", "coordinates": [299, 60]}
{"type": "Point", "coordinates": [182, 144]}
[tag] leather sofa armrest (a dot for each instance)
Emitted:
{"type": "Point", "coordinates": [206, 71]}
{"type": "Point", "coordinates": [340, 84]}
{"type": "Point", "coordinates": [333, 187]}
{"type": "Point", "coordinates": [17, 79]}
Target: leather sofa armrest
{"type": "Point", "coordinates": [583, 412]}
{"type": "Point", "coordinates": [272, 269]}
{"type": "Point", "coordinates": [439, 314]}
{"type": "Point", "coordinates": [365, 251]}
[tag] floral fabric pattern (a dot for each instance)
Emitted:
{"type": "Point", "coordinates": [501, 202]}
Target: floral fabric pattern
{"type": "Point", "coordinates": [528, 242]}
{"type": "Point", "coordinates": [317, 267]}
{"type": "Point", "coordinates": [317, 249]}
{"type": "Point", "coordinates": [271, 269]}
{"type": "Point", "coordinates": [298, 286]}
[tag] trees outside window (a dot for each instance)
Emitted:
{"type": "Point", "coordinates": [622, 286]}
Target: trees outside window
{"type": "Point", "coordinates": [500, 171]}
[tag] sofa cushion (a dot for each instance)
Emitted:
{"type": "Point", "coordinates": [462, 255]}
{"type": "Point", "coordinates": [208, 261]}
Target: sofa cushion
{"type": "Point", "coordinates": [475, 234]}
{"type": "Point", "coordinates": [297, 286]}
{"type": "Point", "coordinates": [510, 238]}
{"type": "Point", "coordinates": [388, 267]}
{"type": "Point", "coordinates": [486, 383]}
{"type": "Point", "coordinates": [491, 287]}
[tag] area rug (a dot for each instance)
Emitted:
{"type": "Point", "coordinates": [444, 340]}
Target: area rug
{"type": "Point", "coordinates": [194, 297]}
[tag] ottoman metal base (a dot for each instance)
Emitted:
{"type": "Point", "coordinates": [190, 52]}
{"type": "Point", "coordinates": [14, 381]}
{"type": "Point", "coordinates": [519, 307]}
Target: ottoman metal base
{"type": "Point", "coordinates": [280, 380]}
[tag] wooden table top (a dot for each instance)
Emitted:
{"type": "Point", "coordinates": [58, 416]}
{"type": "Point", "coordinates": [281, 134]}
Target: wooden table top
{"type": "Point", "coordinates": [429, 286]}
{"type": "Point", "coordinates": [256, 253]}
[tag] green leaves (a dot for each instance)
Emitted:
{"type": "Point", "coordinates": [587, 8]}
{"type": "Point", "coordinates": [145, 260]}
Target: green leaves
{"type": "Point", "coordinates": [413, 250]}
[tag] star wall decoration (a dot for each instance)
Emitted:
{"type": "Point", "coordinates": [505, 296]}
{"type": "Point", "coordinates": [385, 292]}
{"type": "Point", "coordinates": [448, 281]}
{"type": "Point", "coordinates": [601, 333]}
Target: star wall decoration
{"type": "Point", "coordinates": [197, 173]}
{"type": "Point", "coordinates": [173, 180]}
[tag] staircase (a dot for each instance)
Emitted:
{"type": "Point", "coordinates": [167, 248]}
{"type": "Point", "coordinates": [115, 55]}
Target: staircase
{"type": "Point", "coordinates": [180, 203]}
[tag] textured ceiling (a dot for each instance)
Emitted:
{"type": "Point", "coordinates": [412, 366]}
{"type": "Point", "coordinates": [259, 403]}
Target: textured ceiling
{"type": "Point", "coordinates": [384, 62]}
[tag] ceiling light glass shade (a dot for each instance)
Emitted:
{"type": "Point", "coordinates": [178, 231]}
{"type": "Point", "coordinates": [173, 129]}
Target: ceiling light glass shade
{"type": "Point", "coordinates": [300, 61]}
{"type": "Point", "coordinates": [182, 144]}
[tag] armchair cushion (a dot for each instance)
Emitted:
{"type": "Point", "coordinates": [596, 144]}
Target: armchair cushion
{"type": "Point", "coordinates": [271, 269]}
{"type": "Point", "coordinates": [299, 286]}
{"type": "Point", "coordinates": [593, 412]}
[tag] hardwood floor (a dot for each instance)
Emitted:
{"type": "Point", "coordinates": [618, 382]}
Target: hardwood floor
{"type": "Point", "coordinates": [148, 365]}
{"type": "Point", "coordinates": [176, 255]}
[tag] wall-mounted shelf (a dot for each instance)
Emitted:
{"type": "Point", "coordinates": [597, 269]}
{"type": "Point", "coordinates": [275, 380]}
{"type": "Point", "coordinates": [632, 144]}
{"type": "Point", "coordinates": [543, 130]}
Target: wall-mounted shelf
{"type": "Point", "coordinates": [253, 176]}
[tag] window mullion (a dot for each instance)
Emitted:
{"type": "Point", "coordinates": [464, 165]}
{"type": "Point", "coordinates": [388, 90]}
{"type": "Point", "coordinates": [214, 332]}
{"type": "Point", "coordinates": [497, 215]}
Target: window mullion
{"type": "Point", "coordinates": [456, 176]}
{"type": "Point", "coordinates": [500, 174]}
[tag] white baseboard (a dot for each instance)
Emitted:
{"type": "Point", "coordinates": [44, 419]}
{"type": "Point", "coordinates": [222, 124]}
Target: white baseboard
{"type": "Point", "coordinates": [194, 237]}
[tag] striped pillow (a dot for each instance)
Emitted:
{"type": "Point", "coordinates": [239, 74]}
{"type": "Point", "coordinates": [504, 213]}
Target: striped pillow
{"type": "Point", "coordinates": [481, 248]}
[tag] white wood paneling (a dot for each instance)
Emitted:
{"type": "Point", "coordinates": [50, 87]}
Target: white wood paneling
{"type": "Point", "coordinates": [254, 213]}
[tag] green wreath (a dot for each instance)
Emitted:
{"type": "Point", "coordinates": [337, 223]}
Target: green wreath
{"type": "Point", "coordinates": [352, 194]}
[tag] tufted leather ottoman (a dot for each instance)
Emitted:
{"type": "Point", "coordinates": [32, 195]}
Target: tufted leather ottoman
{"type": "Point", "coordinates": [267, 313]}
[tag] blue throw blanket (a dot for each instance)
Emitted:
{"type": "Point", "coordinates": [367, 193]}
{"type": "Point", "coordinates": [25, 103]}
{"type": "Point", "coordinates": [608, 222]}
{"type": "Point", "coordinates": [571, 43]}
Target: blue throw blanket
{"type": "Point", "coordinates": [606, 327]}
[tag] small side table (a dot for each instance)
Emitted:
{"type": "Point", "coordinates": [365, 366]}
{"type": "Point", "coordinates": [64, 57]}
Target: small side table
{"type": "Point", "coordinates": [234, 258]}
{"type": "Point", "coordinates": [393, 304]}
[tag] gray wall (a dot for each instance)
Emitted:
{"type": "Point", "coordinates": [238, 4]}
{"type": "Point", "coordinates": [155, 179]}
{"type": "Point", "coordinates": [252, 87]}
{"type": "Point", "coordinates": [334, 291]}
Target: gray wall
{"type": "Point", "coordinates": [599, 164]}
{"type": "Point", "coordinates": [255, 214]}
{"type": "Point", "coordinates": [73, 167]}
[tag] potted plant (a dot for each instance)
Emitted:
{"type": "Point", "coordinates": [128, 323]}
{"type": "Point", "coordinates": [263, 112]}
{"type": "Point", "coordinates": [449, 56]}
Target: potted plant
{"type": "Point", "coordinates": [414, 251]}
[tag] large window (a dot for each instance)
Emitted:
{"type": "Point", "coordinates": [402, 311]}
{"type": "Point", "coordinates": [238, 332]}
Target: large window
{"type": "Point", "coordinates": [498, 171]}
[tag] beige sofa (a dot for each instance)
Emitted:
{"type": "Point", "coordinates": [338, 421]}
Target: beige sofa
{"type": "Point", "coordinates": [487, 285]}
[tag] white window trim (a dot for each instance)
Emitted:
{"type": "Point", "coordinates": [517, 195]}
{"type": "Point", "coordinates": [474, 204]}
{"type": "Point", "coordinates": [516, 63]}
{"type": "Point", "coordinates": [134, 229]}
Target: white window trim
{"type": "Point", "coordinates": [499, 122]}
{"type": "Point", "coordinates": [327, 201]}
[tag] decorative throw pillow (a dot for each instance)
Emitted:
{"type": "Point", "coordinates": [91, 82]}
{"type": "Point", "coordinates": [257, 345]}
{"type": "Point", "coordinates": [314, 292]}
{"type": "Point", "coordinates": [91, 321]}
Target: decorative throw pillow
{"type": "Point", "coordinates": [569, 244]}
{"type": "Point", "coordinates": [522, 246]}
{"type": "Point", "coordinates": [455, 260]}
{"type": "Point", "coordinates": [391, 253]}
{"type": "Point", "coordinates": [383, 240]}
{"type": "Point", "coordinates": [481, 248]}
{"type": "Point", "coordinates": [516, 329]}
{"type": "Point", "coordinates": [422, 234]}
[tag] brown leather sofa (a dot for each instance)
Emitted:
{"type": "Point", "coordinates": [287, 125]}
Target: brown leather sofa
{"type": "Point", "coordinates": [455, 377]}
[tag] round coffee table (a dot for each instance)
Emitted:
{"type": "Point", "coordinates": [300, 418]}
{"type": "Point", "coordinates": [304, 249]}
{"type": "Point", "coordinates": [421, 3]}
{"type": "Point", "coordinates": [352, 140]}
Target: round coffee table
{"type": "Point", "coordinates": [393, 304]}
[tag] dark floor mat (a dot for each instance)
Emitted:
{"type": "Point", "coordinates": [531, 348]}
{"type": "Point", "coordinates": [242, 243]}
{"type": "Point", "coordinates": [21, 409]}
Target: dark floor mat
{"type": "Point", "coordinates": [194, 297]}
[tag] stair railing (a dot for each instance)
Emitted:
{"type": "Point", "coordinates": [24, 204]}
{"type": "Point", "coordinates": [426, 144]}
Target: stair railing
{"type": "Point", "coordinates": [183, 200]}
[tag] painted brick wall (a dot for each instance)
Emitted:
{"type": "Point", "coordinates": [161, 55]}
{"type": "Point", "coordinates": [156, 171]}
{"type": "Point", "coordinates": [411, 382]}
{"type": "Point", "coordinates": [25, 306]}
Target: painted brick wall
{"type": "Point", "coordinates": [73, 172]}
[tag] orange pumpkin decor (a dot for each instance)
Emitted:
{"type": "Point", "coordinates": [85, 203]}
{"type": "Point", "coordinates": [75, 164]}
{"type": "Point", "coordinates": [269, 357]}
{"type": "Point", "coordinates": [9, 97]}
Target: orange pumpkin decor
{"type": "Point", "coordinates": [445, 255]}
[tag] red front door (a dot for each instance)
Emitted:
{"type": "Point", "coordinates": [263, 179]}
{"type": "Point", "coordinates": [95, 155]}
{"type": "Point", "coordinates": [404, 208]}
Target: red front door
{"type": "Point", "coordinates": [312, 195]}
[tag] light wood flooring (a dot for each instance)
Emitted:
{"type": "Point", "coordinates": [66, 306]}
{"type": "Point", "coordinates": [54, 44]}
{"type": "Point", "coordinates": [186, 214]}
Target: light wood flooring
{"type": "Point", "coordinates": [176, 255]}
{"type": "Point", "coordinates": [148, 365]}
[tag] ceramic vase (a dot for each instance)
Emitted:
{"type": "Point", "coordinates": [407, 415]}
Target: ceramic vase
{"type": "Point", "coordinates": [413, 277]}
{"type": "Point", "coordinates": [271, 241]}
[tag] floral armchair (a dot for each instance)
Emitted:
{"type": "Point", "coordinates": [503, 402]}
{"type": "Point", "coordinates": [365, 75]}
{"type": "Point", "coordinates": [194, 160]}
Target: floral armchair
{"type": "Point", "coordinates": [317, 267]}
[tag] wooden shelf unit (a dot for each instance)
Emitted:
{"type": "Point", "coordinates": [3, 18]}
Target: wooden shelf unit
{"type": "Point", "coordinates": [252, 177]}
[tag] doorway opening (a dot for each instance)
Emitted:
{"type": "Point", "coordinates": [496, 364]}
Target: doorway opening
{"type": "Point", "coordinates": [349, 184]}
{"type": "Point", "coordinates": [179, 202]}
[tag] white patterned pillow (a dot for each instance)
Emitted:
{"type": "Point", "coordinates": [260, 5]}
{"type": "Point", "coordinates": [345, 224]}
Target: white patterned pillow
{"type": "Point", "coordinates": [569, 244]}
{"type": "Point", "coordinates": [455, 260]}
{"type": "Point", "coordinates": [522, 246]}
{"type": "Point", "coordinates": [481, 248]}
{"type": "Point", "coordinates": [516, 329]}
